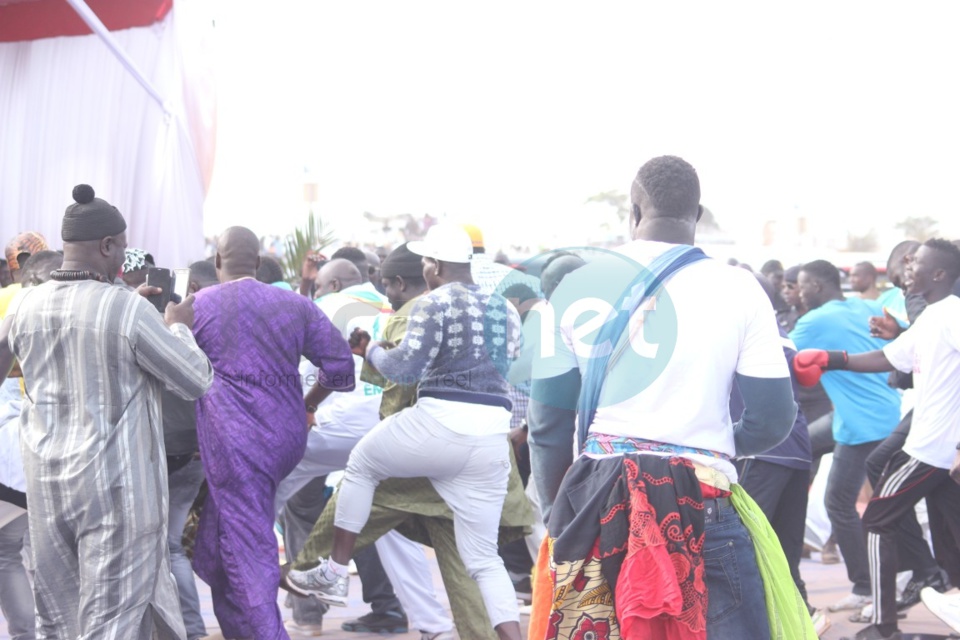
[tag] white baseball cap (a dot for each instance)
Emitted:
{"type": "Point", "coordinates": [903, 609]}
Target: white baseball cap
{"type": "Point", "coordinates": [446, 242]}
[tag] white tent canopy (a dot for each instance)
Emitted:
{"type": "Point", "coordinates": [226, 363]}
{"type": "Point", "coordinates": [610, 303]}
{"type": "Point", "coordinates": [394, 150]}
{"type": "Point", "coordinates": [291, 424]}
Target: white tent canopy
{"type": "Point", "coordinates": [72, 112]}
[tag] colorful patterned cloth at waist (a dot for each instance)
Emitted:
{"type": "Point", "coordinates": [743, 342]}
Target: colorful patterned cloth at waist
{"type": "Point", "coordinates": [602, 444]}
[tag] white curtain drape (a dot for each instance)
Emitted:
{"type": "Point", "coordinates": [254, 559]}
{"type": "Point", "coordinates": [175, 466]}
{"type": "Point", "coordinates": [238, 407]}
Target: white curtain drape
{"type": "Point", "coordinates": [70, 113]}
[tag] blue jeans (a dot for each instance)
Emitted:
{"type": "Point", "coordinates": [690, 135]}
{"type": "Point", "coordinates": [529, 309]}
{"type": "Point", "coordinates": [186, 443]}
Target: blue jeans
{"type": "Point", "coordinates": [184, 484]}
{"type": "Point", "coordinates": [736, 606]}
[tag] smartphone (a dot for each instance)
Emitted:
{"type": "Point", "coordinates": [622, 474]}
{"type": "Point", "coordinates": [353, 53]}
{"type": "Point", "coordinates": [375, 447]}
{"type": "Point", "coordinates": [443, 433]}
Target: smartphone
{"type": "Point", "coordinates": [159, 277]}
{"type": "Point", "coordinates": [181, 283]}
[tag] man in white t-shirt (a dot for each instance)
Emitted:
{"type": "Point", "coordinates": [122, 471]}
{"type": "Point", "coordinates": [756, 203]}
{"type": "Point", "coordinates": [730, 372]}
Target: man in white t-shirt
{"type": "Point", "coordinates": [655, 431]}
{"type": "Point", "coordinates": [931, 351]}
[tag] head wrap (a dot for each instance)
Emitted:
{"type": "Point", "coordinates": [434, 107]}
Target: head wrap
{"type": "Point", "coordinates": [402, 262]}
{"type": "Point", "coordinates": [90, 218]}
{"type": "Point", "coordinates": [28, 242]}
{"type": "Point", "coordinates": [136, 259]}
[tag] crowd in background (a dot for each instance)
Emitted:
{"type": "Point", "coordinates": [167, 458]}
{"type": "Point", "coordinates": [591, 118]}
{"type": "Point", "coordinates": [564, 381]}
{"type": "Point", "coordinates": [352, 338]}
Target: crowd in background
{"type": "Point", "coordinates": [392, 397]}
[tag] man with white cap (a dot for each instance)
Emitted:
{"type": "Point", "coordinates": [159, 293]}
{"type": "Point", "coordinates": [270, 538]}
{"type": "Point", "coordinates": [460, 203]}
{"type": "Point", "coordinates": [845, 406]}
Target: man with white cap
{"type": "Point", "coordinates": [458, 346]}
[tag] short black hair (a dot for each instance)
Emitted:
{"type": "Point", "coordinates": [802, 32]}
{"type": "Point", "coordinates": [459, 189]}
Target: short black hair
{"type": "Point", "coordinates": [672, 185]}
{"type": "Point", "coordinates": [555, 255]}
{"type": "Point", "coordinates": [948, 256]}
{"type": "Point", "coordinates": [770, 266]}
{"type": "Point", "coordinates": [270, 270]}
{"type": "Point", "coordinates": [203, 271]}
{"type": "Point", "coordinates": [353, 254]}
{"type": "Point", "coordinates": [823, 271]}
{"type": "Point", "coordinates": [790, 274]}
{"type": "Point", "coordinates": [520, 291]}
{"type": "Point", "coordinates": [868, 266]}
{"type": "Point", "coordinates": [36, 270]}
{"type": "Point", "coordinates": [417, 282]}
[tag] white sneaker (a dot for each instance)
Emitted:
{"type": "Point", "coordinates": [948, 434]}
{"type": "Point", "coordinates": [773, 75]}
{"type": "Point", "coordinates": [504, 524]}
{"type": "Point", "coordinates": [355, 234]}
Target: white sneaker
{"type": "Point", "coordinates": [947, 608]}
{"type": "Point", "coordinates": [852, 601]}
{"type": "Point", "coordinates": [314, 582]}
{"type": "Point", "coordinates": [820, 622]}
{"type": "Point", "coordinates": [864, 616]}
{"type": "Point", "coordinates": [299, 631]}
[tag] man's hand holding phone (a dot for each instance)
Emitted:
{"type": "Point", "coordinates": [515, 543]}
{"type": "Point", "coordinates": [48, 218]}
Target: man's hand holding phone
{"type": "Point", "coordinates": [181, 312]}
{"type": "Point", "coordinates": [175, 312]}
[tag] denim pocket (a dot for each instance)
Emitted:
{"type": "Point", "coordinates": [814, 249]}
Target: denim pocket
{"type": "Point", "coordinates": [723, 582]}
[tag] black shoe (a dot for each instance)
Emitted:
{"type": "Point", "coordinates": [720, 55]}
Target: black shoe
{"type": "Point", "coordinates": [873, 632]}
{"type": "Point", "coordinates": [377, 623]}
{"type": "Point", "coordinates": [911, 593]}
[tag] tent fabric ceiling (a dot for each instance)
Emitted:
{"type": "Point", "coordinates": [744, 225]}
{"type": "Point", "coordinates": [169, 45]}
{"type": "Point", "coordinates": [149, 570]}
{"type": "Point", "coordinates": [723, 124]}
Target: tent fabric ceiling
{"type": "Point", "coordinates": [72, 113]}
{"type": "Point", "coordinates": [36, 19]}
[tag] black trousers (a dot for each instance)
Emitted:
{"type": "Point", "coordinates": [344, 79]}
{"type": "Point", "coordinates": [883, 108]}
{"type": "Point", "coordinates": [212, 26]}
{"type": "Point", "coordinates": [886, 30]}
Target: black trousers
{"type": "Point", "coordinates": [904, 483]}
{"type": "Point", "coordinates": [781, 493]}
{"type": "Point", "coordinates": [913, 551]}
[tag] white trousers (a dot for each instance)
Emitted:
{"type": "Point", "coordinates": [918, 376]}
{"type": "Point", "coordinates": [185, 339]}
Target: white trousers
{"type": "Point", "coordinates": [537, 531]}
{"type": "Point", "coordinates": [407, 567]}
{"type": "Point", "coordinates": [469, 472]}
{"type": "Point", "coordinates": [328, 449]}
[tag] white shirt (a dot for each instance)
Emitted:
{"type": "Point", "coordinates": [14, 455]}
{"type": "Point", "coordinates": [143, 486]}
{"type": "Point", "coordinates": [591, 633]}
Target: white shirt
{"type": "Point", "coordinates": [11, 462]}
{"type": "Point", "coordinates": [931, 350]}
{"type": "Point", "coordinates": [661, 390]}
{"type": "Point", "coordinates": [358, 410]}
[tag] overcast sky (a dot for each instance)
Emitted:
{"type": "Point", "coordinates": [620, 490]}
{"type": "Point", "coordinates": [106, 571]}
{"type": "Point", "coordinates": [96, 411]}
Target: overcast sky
{"type": "Point", "coordinates": [513, 114]}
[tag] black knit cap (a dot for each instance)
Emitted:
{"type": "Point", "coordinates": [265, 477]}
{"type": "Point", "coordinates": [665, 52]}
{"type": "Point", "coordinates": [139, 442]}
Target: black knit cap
{"type": "Point", "coordinates": [402, 262]}
{"type": "Point", "coordinates": [90, 218]}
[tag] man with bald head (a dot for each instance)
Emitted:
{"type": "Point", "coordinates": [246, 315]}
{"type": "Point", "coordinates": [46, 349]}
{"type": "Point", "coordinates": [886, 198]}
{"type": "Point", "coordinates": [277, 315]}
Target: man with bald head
{"type": "Point", "coordinates": [337, 275]}
{"type": "Point", "coordinates": [251, 426]}
{"type": "Point", "coordinates": [344, 276]}
{"type": "Point", "coordinates": [368, 264]}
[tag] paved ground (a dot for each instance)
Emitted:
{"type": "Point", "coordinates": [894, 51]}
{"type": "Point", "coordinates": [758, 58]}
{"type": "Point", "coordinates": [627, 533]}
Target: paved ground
{"type": "Point", "coordinates": [825, 583]}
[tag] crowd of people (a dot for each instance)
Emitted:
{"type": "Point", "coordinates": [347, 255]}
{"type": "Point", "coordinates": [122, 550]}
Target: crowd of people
{"type": "Point", "coordinates": [583, 457]}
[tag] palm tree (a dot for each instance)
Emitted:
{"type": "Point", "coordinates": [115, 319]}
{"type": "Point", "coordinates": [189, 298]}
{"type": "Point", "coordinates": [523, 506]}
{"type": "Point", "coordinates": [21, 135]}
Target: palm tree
{"type": "Point", "coordinates": [302, 241]}
{"type": "Point", "coordinates": [619, 201]}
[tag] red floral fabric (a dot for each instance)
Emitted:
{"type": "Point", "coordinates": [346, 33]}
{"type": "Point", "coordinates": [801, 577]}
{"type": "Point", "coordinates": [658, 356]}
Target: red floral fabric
{"type": "Point", "coordinates": [627, 556]}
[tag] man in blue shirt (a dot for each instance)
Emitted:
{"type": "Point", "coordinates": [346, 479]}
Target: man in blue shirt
{"type": "Point", "coordinates": [865, 409]}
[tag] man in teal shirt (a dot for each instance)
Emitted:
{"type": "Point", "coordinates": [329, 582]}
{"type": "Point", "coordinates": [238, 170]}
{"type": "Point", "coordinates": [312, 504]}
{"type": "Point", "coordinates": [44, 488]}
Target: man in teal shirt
{"type": "Point", "coordinates": [866, 410]}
